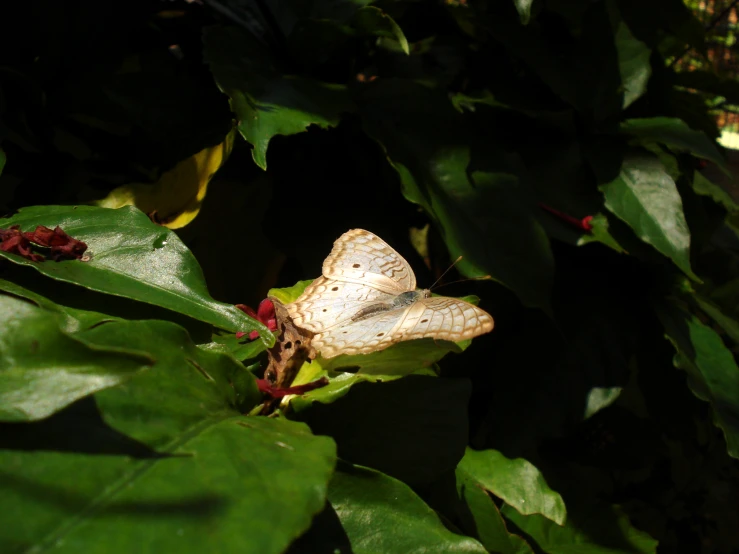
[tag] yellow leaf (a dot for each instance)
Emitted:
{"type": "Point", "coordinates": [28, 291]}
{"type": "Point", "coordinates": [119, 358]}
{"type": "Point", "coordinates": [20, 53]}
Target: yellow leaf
{"type": "Point", "coordinates": [176, 197]}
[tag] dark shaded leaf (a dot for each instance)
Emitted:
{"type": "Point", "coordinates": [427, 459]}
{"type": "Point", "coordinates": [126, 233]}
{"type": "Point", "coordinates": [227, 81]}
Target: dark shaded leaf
{"type": "Point", "coordinates": [706, 187]}
{"type": "Point", "coordinates": [713, 374]}
{"type": "Point", "coordinates": [372, 21]}
{"type": "Point", "coordinates": [646, 198]}
{"type": "Point", "coordinates": [481, 214]}
{"type": "Point", "coordinates": [676, 135]}
{"type": "Point", "coordinates": [597, 530]}
{"type": "Point", "coordinates": [709, 82]}
{"type": "Point", "coordinates": [414, 428]}
{"type": "Point", "coordinates": [266, 101]}
{"type": "Point", "coordinates": [633, 63]}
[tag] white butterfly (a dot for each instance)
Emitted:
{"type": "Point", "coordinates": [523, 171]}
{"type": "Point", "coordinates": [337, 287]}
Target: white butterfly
{"type": "Point", "coordinates": [367, 300]}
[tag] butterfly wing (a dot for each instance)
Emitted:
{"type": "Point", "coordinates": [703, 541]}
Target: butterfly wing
{"type": "Point", "coordinates": [327, 303]}
{"type": "Point", "coordinates": [438, 317]}
{"type": "Point", "coordinates": [445, 318]}
{"type": "Point", "coordinates": [361, 257]}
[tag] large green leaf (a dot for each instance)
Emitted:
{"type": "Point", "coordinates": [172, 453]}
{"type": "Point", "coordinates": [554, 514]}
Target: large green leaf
{"type": "Point", "coordinates": [517, 482]}
{"type": "Point", "coordinates": [595, 530]}
{"type": "Point", "coordinates": [481, 214]}
{"type": "Point", "coordinates": [133, 258]}
{"type": "Point", "coordinates": [646, 198]}
{"type": "Point", "coordinates": [53, 355]}
{"type": "Point", "coordinates": [266, 101]}
{"type": "Point", "coordinates": [713, 374]}
{"type": "Point", "coordinates": [43, 368]}
{"type": "Point", "coordinates": [675, 134]}
{"type": "Point", "coordinates": [374, 513]}
{"type": "Point", "coordinates": [184, 470]}
{"type": "Point", "coordinates": [482, 518]}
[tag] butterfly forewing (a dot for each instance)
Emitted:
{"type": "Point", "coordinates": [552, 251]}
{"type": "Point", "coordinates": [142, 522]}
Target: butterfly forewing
{"type": "Point", "coordinates": [358, 256]}
{"type": "Point", "coordinates": [327, 303]}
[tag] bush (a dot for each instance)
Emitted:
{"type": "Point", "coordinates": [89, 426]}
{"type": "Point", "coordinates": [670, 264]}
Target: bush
{"type": "Point", "coordinates": [551, 144]}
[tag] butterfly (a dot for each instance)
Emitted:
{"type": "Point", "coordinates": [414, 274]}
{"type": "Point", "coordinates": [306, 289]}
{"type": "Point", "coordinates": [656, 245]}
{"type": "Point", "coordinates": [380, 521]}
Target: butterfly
{"type": "Point", "coordinates": [366, 300]}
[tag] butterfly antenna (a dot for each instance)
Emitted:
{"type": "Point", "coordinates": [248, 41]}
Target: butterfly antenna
{"type": "Point", "coordinates": [447, 271]}
{"type": "Point", "coordinates": [483, 278]}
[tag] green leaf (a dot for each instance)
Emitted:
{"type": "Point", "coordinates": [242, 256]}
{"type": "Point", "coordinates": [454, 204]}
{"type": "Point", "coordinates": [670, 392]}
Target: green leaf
{"type": "Point", "coordinates": [600, 233]}
{"type": "Point", "coordinates": [599, 398]}
{"type": "Point", "coordinates": [646, 198]}
{"type": "Point", "coordinates": [202, 475]}
{"type": "Point", "coordinates": [705, 187]}
{"type": "Point", "coordinates": [381, 514]}
{"type": "Point", "coordinates": [76, 353]}
{"type": "Point", "coordinates": [676, 135]}
{"type": "Point", "coordinates": [338, 386]}
{"type": "Point", "coordinates": [595, 530]}
{"type": "Point", "coordinates": [240, 348]}
{"type": "Point", "coordinates": [713, 374]}
{"type": "Point", "coordinates": [70, 320]}
{"type": "Point", "coordinates": [289, 294]}
{"type": "Point", "coordinates": [266, 101]}
{"type": "Point", "coordinates": [517, 482]}
{"type": "Point", "coordinates": [373, 21]}
{"type": "Point", "coordinates": [236, 485]}
{"type": "Point", "coordinates": [633, 64]}
{"type": "Point", "coordinates": [483, 519]}
{"type": "Point", "coordinates": [43, 368]}
{"type": "Point", "coordinates": [524, 10]}
{"type": "Point", "coordinates": [133, 258]}
{"type": "Point", "coordinates": [480, 214]}
{"type": "Point", "coordinates": [400, 359]}
{"type": "Point", "coordinates": [727, 323]}
{"type": "Point", "coordinates": [414, 428]}
{"type": "Point", "coordinates": [3, 159]}
{"type": "Point", "coordinates": [707, 81]}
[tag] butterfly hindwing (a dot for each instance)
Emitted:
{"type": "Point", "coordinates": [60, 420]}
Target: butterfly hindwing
{"type": "Point", "coordinates": [444, 318]}
{"type": "Point", "coordinates": [438, 317]}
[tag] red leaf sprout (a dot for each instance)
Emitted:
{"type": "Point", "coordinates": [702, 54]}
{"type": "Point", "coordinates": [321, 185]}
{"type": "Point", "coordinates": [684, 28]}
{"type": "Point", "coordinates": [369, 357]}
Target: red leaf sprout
{"type": "Point", "coordinates": [61, 245]}
{"type": "Point", "coordinates": [265, 313]}
{"type": "Point", "coordinates": [582, 224]}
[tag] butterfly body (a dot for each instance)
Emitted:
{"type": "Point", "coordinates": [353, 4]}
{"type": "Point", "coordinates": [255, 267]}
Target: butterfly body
{"type": "Point", "coordinates": [366, 300]}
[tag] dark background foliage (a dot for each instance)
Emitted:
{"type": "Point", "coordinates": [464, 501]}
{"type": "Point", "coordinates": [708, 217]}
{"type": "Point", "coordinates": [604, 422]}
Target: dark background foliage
{"type": "Point", "coordinates": [489, 129]}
